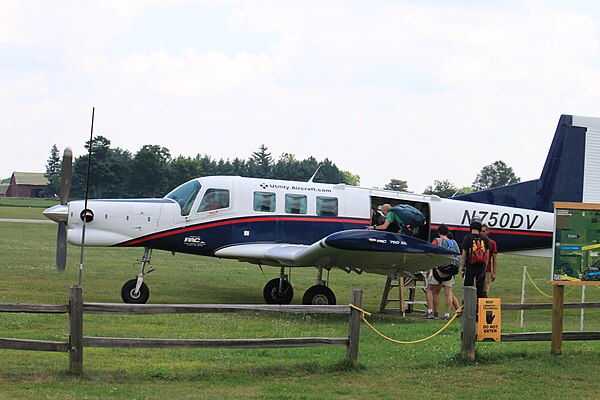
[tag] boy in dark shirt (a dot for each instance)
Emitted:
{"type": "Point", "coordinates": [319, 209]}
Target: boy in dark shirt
{"type": "Point", "coordinates": [475, 256]}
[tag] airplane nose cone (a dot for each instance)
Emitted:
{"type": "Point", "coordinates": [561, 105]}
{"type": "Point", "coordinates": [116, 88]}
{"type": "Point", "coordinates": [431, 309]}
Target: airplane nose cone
{"type": "Point", "coordinates": [57, 213]}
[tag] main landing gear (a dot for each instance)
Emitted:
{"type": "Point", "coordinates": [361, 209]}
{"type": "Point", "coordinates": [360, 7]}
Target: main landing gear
{"type": "Point", "coordinates": [276, 291]}
{"type": "Point", "coordinates": [135, 291]}
{"type": "Point", "coordinates": [280, 291]}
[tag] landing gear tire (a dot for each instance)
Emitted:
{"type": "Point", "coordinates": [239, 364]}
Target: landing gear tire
{"type": "Point", "coordinates": [319, 295]}
{"type": "Point", "coordinates": [129, 296]}
{"type": "Point", "coordinates": [272, 295]}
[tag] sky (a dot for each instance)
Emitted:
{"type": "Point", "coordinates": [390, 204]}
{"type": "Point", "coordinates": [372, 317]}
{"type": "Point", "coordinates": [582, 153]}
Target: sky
{"type": "Point", "coordinates": [412, 90]}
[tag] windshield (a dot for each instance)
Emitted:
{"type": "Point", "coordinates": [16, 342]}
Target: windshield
{"type": "Point", "coordinates": [185, 195]}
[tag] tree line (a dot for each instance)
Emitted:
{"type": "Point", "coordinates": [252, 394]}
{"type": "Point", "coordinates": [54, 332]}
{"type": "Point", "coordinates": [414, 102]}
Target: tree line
{"type": "Point", "coordinates": [152, 172]}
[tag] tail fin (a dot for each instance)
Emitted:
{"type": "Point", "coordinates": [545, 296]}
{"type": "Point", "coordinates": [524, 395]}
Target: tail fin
{"type": "Point", "coordinates": [571, 171]}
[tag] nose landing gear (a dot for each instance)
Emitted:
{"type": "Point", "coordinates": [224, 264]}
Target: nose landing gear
{"type": "Point", "coordinates": [135, 291]}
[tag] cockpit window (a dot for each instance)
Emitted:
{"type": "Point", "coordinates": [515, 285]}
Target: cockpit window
{"type": "Point", "coordinates": [214, 199]}
{"type": "Point", "coordinates": [185, 196]}
{"type": "Point", "coordinates": [264, 201]}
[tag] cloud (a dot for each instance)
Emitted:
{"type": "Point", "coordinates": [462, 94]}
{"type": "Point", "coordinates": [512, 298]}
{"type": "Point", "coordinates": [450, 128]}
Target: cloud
{"type": "Point", "coordinates": [386, 90]}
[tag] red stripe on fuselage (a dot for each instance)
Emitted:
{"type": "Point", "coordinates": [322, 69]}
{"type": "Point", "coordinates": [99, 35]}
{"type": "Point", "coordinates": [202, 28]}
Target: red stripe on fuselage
{"type": "Point", "coordinates": [234, 221]}
{"type": "Point", "coordinates": [499, 231]}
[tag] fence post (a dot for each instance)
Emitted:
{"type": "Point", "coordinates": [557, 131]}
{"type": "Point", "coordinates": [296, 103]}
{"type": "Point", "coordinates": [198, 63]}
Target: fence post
{"type": "Point", "coordinates": [558, 300]}
{"type": "Point", "coordinates": [581, 316]}
{"type": "Point", "coordinates": [522, 312]}
{"type": "Point", "coordinates": [354, 328]}
{"type": "Point", "coordinates": [75, 330]}
{"type": "Point", "coordinates": [469, 315]}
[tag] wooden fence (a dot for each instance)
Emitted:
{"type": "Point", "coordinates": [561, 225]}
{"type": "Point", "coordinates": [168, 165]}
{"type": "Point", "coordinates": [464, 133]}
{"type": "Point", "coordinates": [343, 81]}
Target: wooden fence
{"type": "Point", "coordinates": [469, 324]}
{"type": "Point", "coordinates": [77, 341]}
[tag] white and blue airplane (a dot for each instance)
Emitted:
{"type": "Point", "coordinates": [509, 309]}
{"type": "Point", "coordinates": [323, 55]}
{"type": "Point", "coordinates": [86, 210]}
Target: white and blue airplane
{"type": "Point", "coordinates": [289, 224]}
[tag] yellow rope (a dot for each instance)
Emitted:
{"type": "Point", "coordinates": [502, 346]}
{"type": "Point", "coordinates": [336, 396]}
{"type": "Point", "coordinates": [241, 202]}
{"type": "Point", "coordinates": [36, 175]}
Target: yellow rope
{"type": "Point", "coordinates": [360, 310]}
{"type": "Point", "coordinates": [570, 290]}
{"type": "Point", "coordinates": [540, 290]}
{"type": "Point", "coordinates": [536, 286]}
{"type": "Point", "coordinates": [362, 317]}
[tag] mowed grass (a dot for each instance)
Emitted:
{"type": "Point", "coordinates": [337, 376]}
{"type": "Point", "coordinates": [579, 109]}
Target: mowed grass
{"type": "Point", "coordinates": [24, 208]}
{"type": "Point", "coordinates": [385, 370]}
{"type": "Point", "coordinates": [21, 212]}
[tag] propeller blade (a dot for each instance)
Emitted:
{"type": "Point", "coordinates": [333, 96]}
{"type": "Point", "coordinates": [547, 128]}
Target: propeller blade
{"type": "Point", "coordinates": [61, 247]}
{"type": "Point", "coordinates": [66, 174]}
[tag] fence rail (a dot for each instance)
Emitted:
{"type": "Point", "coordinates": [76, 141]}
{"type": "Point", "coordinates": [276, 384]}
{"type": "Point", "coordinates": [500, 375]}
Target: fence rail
{"type": "Point", "coordinates": [34, 308]}
{"type": "Point", "coordinates": [77, 308]}
{"type": "Point", "coordinates": [546, 306]}
{"type": "Point", "coordinates": [118, 308]}
{"type": "Point", "coordinates": [547, 336]}
{"type": "Point", "coordinates": [29, 344]}
{"type": "Point", "coordinates": [213, 343]}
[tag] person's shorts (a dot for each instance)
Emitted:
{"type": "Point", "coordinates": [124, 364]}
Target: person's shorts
{"type": "Point", "coordinates": [432, 281]}
{"type": "Point", "coordinates": [488, 281]}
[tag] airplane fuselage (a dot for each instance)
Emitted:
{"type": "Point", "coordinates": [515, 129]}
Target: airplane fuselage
{"type": "Point", "coordinates": [253, 210]}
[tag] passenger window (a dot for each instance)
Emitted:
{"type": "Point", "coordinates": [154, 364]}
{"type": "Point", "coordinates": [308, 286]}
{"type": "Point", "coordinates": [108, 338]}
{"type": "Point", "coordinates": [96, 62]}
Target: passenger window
{"type": "Point", "coordinates": [214, 199]}
{"type": "Point", "coordinates": [295, 203]}
{"type": "Point", "coordinates": [327, 206]}
{"type": "Point", "coordinates": [264, 201]}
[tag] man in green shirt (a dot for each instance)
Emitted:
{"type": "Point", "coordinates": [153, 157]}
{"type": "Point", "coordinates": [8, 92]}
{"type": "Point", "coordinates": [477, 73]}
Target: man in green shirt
{"type": "Point", "coordinates": [393, 222]}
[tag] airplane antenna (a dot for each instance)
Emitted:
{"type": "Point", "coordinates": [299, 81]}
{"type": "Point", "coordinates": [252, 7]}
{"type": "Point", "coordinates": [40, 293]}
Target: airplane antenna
{"type": "Point", "coordinates": [315, 174]}
{"type": "Point", "coordinates": [85, 214]}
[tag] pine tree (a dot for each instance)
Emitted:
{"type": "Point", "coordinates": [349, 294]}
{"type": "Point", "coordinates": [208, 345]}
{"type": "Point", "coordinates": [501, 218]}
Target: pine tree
{"type": "Point", "coordinates": [53, 168]}
{"type": "Point", "coordinates": [261, 163]}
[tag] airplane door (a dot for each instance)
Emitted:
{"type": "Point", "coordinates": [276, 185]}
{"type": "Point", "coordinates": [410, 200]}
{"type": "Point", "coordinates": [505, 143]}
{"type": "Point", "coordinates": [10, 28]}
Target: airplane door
{"type": "Point", "coordinates": [425, 231]}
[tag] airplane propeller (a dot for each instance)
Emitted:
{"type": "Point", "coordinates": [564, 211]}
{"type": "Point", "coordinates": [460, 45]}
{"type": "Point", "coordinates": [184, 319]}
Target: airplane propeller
{"type": "Point", "coordinates": [65, 187]}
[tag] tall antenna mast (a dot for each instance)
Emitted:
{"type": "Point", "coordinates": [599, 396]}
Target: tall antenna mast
{"type": "Point", "coordinates": [86, 215]}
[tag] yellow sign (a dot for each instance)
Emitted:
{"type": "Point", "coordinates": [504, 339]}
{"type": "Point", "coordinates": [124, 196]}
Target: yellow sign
{"type": "Point", "coordinates": [489, 320]}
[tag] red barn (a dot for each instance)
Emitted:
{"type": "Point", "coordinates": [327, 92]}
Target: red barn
{"type": "Point", "coordinates": [26, 184]}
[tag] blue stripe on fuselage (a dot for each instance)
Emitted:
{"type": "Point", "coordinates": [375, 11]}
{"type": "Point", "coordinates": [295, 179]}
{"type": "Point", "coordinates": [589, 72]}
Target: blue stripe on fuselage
{"type": "Point", "coordinates": [206, 237]}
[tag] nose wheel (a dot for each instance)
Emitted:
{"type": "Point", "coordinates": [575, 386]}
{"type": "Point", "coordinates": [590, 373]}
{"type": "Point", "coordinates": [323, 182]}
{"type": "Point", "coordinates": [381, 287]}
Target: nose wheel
{"type": "Point", "coordinates": [135, 291]}
{"type": "Point", "coordinates": [130, 295]}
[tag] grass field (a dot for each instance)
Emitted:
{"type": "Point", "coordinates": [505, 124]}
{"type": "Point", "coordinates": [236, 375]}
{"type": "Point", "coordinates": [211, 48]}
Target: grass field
{"type": "Point", "coordinates": [27, 202]}
{"type": "Point", "coordinates": [24, 208]}
{"type": "Point", "coordinates": [385, 370]}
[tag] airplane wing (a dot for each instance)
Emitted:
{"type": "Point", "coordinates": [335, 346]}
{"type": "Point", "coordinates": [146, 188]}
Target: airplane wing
{"type": "Point", "coordinates": [352, 250]}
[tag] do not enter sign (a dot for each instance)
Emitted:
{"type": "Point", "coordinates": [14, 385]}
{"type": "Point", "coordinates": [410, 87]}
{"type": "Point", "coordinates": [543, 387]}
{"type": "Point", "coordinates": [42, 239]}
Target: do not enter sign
{"type": "Point", "coordinates": [489, 320]}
